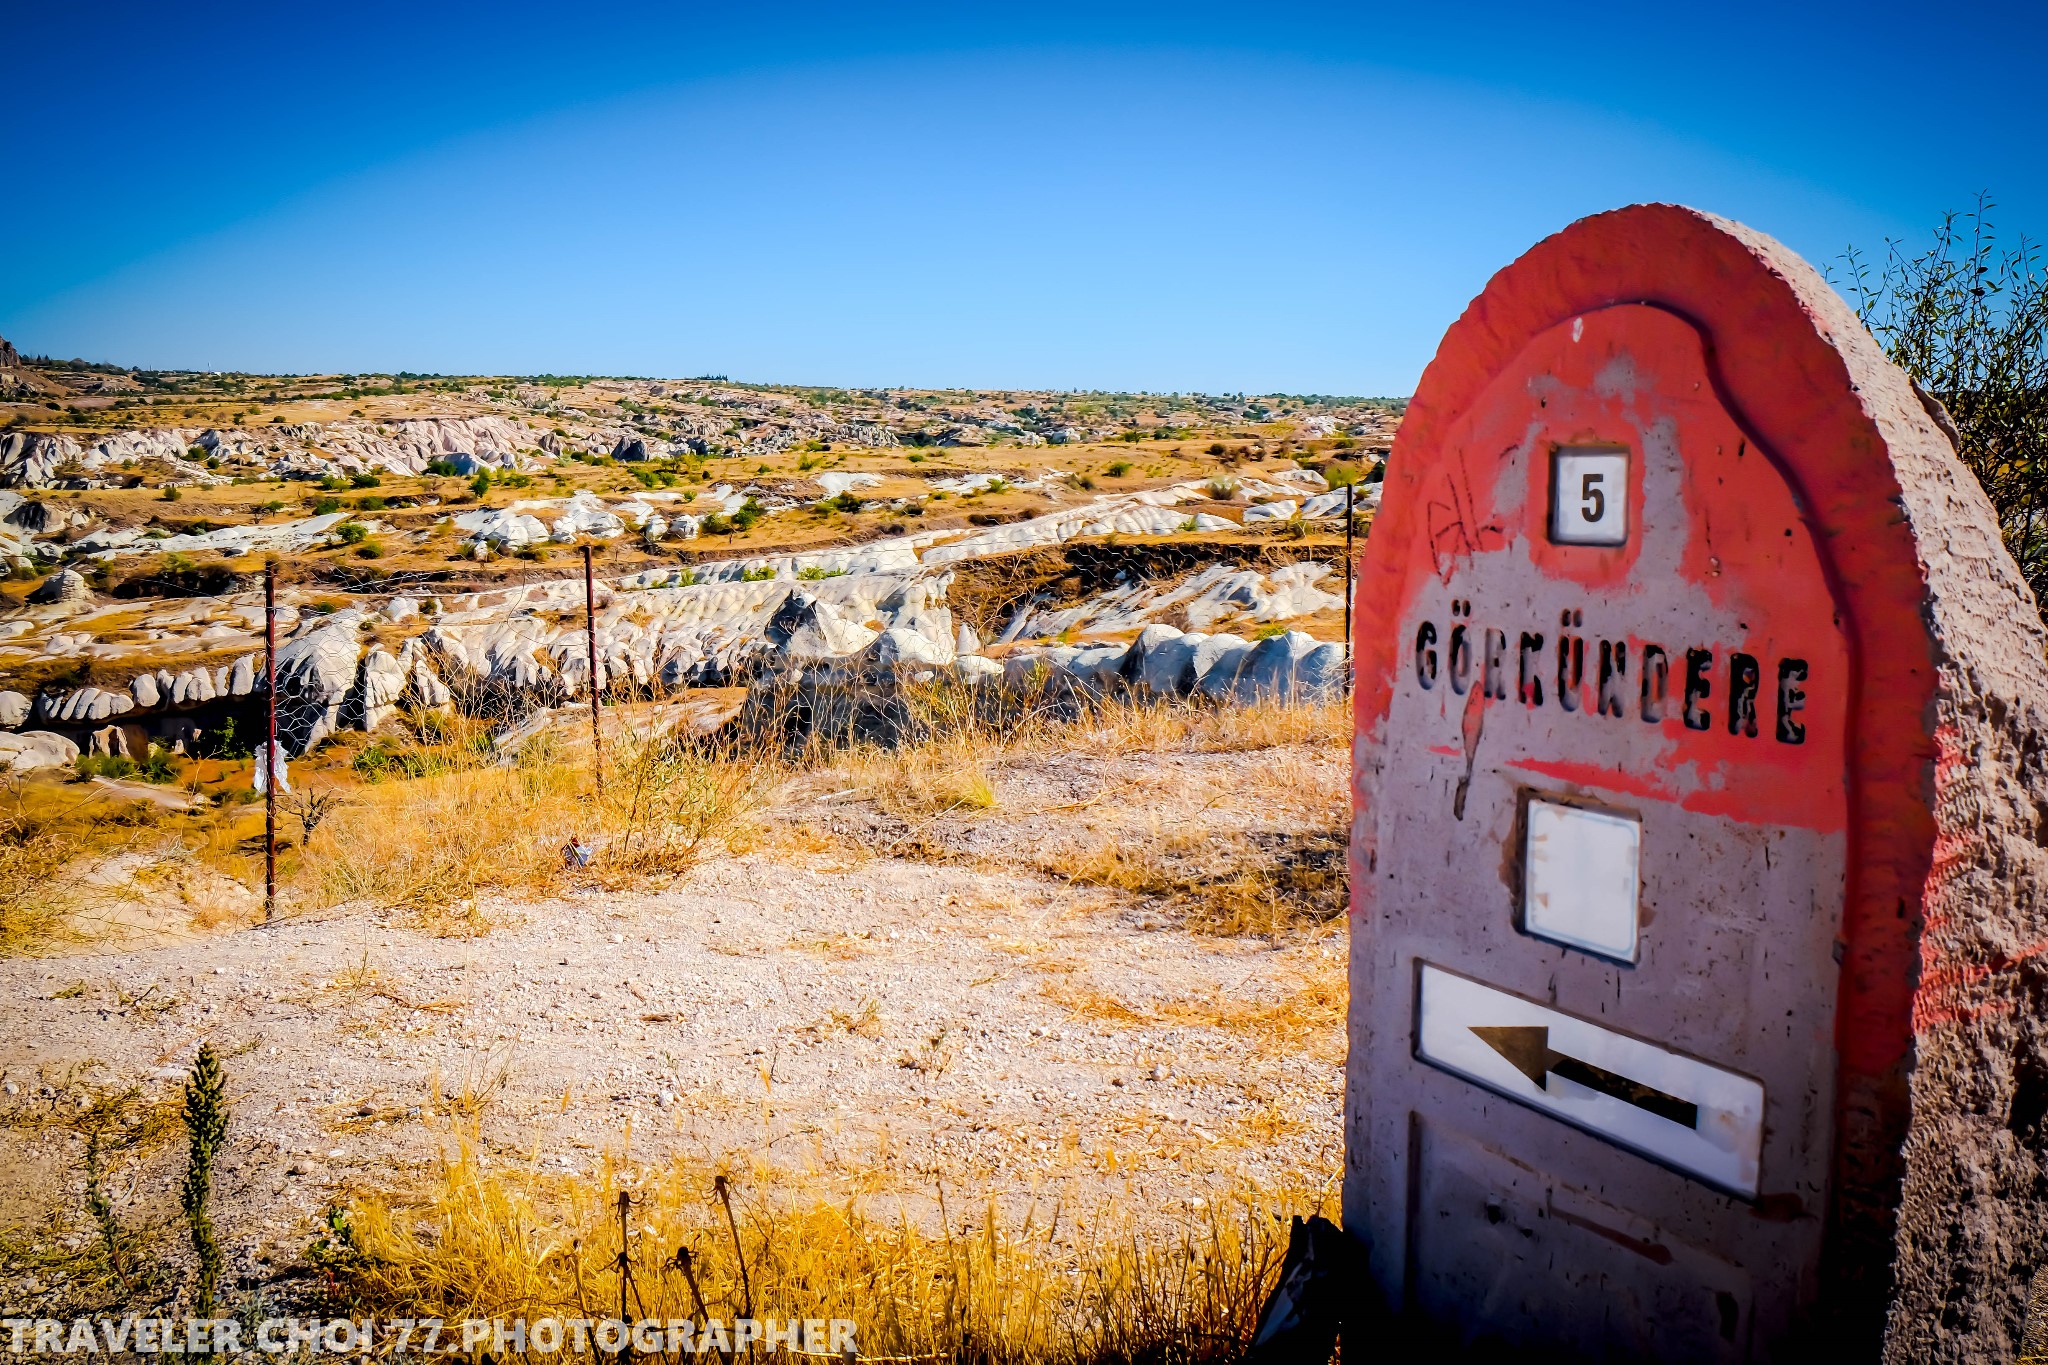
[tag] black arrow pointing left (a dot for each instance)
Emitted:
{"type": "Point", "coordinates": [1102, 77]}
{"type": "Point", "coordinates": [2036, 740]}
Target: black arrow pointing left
{"type": "Point", "coordinates": [1528, 1048]}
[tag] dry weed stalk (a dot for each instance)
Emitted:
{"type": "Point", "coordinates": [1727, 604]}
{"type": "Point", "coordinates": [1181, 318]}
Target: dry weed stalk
{"type": "Point", "coordinates": [1002, 1286]}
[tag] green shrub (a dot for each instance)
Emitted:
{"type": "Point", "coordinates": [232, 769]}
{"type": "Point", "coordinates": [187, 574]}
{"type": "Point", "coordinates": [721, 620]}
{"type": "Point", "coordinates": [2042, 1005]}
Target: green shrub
{"type": "Point", "coordinates": [1119, 468]}
{"type": "Point", "coordinates": [105, 765]}
{"type": "Point", "coordinates": [1968, 319]}
{"type": "Point", "coordinates": [158, 765]}
{"type": "Point", "coordinates": [715, 524]}
{"type": "Point", "coordinates": [322, 506]}
{"type": "Point", "coordinates": [373, 503]}
{"type": "Point", "coordinates": [352, 532]}
{"type": "Point", "coordinates": [760, 575]}
{"type": "Point", "coordinates": [364, 481]}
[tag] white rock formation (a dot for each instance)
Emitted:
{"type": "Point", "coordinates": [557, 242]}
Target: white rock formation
{"type": "Point", "coordinates": [33, 749]}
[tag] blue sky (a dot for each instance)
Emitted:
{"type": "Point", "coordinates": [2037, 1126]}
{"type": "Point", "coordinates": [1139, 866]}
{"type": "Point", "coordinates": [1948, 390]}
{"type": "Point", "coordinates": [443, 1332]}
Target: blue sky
{"type": "Point", "coordinates": [1189, 197]}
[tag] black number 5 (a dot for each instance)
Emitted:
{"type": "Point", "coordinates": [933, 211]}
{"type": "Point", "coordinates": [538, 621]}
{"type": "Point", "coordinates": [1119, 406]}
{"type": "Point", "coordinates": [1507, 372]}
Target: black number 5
{"type": "Point", "coordinates": [1592, 501]}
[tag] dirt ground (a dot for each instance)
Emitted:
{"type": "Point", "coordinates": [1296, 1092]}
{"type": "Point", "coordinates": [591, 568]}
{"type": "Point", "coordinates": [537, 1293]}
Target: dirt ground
{"type": "Point", "coordinates": [963, 1000]}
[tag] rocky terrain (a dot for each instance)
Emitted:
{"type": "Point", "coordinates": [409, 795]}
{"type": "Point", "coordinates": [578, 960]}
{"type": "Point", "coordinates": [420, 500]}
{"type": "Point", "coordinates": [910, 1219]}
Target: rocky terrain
{"type": "Point", "coordinates": [746, 535]}
{"type": "Point", "coordinates": [1130, 908]}
{"type": "Point", "coordinates": [775, 1011]}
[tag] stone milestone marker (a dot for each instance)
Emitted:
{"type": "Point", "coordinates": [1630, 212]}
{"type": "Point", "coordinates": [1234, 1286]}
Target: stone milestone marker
{"type": "Point", "coordinates": [1700, 922]}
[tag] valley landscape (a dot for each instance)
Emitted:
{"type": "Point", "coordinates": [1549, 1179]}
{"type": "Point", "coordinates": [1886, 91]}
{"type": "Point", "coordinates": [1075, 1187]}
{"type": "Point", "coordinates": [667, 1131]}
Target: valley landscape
{"type": "Point", "coordinates": [959, 845]}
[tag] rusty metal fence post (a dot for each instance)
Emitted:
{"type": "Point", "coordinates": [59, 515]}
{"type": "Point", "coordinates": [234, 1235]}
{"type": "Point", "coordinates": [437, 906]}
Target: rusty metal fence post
{"type": "Point", "coordinates": [270, 742]}
{"type": "Point", "coordinates": [1350, 500]}
{"type": "Point", "coordinates": [590, 639]}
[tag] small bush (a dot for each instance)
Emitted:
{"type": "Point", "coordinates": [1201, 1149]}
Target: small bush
{"type": "Point", "coordinates": [352, 532]}
{"type": "Point", "coordinates": [760, 575]}
{"type": "Point", "coordinates": [1967, 318]}
{"type": "Point", "coordinates": [158, 766]}
{"type": "Point", "coordinates": [322, 506]}
{"type": "Point", "coordinates": [172, 493]}
{"type": "Point", "coordinates": [1119, 468]}
{"type": "Point", "coordinates": [371, 504]}
{"type": "Point", "coordinates": [105, 765]}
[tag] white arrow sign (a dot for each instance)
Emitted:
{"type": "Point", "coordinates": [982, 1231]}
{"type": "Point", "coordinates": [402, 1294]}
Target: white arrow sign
{"type": "Point", "coordinates": [1704, 1120]}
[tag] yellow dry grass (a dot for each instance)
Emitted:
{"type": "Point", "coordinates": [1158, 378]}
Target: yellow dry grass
{"type": "Point", "coordinates": [469, 823]}
{"type": "Point", "coordinates": [1313, 1011]}
{"type": "Point", "coordinates": [1048, 1281]}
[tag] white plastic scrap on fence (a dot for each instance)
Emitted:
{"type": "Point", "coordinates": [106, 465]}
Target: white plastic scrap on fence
{"type": "Point", "coordinates": [275, 753]}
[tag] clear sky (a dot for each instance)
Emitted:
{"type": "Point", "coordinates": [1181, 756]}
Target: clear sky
{"type": "Point", "coordinates": [1192, 196]}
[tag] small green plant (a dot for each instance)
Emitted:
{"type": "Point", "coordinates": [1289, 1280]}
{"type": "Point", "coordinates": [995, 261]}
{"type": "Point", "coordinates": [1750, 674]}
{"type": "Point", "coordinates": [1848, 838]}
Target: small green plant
{"type": "Point", "coordinates": [917, 457]}
{"type": "Point", "coordinates": [481, 484]}
{"type": "Point", "coordinates": [1189, 527]}
{"type": "Point", "coordinates": [372, 503]}
{"type": "Point", "coordinates": [105, 765]}
{"type": "Point", "coordinates": [814, 572]}
{"type": "Point", "coordinates": [352, 532]}
{"type": "Point", "coordinates": [750, 512]}
{"type": "Point", "coordinates": [158, 765]}
{"type": "Point", "coordinates": [760, 575]}
{"type": "Point", "coordinates": [444, 468]}
{"type": "Point", "coordinates": [1221, 490]}
{"type": "Point", "coordinates": [206, 1123]}
{"type": "Point", "coordinates": [715, 524]}
{"type": "Point", "coordinates": [172, 493]}
{"type": "Point", "coordinates": [364, 481]}
{"type": "Point", "coordinates": [332, 483]}
{"type": "Point", "coordinates": [369, 549]}
{"type": "Point", "coordinates": [1338, 475]}
{"type": "Point", "coordinates": [323, 506]}
{"type": "Point", "coordinates": [269, 508]}
{"type": "Point", "coordinates": [1119, 468]}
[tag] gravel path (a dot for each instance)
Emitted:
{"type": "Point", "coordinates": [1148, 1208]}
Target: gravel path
{"type": "Point", "coordinates": [958, 1018]}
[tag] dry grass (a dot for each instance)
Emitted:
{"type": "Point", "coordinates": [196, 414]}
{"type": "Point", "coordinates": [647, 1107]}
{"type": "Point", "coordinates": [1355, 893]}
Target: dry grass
{"type": "Point", "coordinates": [1313, 1011]}
{"type": "Point", "coordinates": [1045, 1283]}
{"type": "Point", "coordinates": [431, 817]}
{"type": "Point", "coordinates": [468, 823]}
{"type": "Point", "coordinates": [56, 844]}
{"type": "Point", "coordinates": [1229, 884]}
